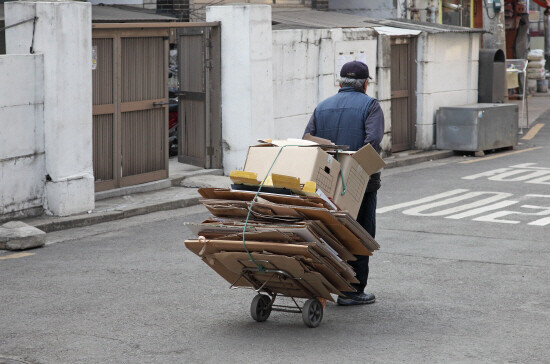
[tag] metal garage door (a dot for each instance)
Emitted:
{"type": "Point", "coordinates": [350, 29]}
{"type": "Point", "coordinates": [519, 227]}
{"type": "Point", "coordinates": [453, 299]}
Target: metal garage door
{"type": "Point", "coordinates": [200, 96]}
{"type": "Point", "coordinates": [403, 100]}
{"type": "Point", "coordinates": [130, 112]}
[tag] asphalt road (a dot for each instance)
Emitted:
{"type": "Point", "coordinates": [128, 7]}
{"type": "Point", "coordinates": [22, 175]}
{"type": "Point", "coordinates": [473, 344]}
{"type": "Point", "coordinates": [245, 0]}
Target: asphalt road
{"type": "Point", "coordinates": [461, 277]}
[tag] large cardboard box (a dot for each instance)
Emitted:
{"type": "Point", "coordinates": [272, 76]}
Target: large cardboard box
{"type": "Point", "coordinates": [357, 167]}
{"type": "Point", "coordinates": [309, 163]}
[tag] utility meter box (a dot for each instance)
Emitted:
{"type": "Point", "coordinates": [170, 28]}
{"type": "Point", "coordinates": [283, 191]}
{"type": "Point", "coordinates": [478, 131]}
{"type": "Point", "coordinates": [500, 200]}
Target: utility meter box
{"type": "Point", "coordinates": [477, 127]}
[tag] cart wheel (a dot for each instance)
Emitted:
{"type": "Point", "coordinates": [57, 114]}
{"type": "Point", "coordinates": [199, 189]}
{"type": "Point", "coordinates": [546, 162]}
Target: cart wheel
{"type": "Point", "coordinates": [312, 312]}
{"type": "Point", "coordinates": [260, 307]}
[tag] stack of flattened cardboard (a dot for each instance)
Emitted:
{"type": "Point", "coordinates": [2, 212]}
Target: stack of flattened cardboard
{"type": "Point", "coordinates": [302, 236]}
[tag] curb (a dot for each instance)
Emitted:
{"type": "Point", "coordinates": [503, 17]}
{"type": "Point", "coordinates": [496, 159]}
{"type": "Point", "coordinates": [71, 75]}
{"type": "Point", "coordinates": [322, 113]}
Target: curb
{"type": "Point", "coordinates": [415, 159]}
{"type": "Point", "coordinates": [173, 181]}
{"type": "Point", "coordinates": [70, 222]}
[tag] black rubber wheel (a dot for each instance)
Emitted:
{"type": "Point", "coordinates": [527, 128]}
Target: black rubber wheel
{"type": "Point", "coordinates": [312, 312]}
{"type": "Point", "coordinates": [260, 308]}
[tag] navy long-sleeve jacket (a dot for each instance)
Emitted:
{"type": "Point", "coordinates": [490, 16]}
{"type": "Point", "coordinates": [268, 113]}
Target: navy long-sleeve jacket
{"type": "Point", "coordinates": [350, 118]}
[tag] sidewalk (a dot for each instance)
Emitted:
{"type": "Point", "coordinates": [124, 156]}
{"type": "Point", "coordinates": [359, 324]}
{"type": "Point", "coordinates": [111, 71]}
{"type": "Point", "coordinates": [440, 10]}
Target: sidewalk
{"type": "Point", "coordinates": [537, 104]}
{"type": "Point", "coordinates": [178, 191]}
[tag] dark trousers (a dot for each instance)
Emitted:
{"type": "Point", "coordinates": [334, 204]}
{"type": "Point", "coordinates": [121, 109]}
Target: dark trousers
{"type": "Point", "coordinates": [367, 219]}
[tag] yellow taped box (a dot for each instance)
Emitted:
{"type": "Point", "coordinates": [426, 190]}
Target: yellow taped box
{"type": "Point", "coordinates": [305, 163]}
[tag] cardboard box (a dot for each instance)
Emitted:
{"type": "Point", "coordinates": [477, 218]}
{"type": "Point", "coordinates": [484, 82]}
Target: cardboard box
{"type": "Point", "coordinates": [357, 167]}
{"type": "Point", "coordinates": [309, 163]}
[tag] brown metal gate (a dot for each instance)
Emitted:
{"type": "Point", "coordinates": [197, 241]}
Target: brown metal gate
{"type": "Point", "coordinates": [130, 105]}
{"type": "Point", "coordinates": [403, 99]}
{"type": "Point", "coordinates": [199, 113]}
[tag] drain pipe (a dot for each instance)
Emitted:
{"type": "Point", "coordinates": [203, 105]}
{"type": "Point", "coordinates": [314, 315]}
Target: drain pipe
{"type": "Point", "coordinates": [432, 12]}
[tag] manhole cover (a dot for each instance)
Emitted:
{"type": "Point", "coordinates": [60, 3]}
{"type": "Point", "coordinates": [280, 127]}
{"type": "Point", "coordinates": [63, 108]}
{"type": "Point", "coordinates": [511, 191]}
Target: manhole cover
{"type": "Point", "coordinates": [12, 361]}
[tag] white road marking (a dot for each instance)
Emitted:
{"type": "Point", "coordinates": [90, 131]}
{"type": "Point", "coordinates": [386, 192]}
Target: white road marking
{"type": "Point", "coordinates": [480, 203]}
{"type": "Point", "coordinates": [494, 217]}
{"type": "Point", "coordinates": [530, 174]}
{"type": "Point", "coordinates": [524, 172]}
{"type": "Point", "coordinates": [540, 181]}
{"type": "Point", "coordinates": [541, 222]}
{"type": "Point", "coordinates": [418, 211]}
{"type": "Point", "coordinates": [481, 210]}
{"type": "Point", "coordinates": [488, 173]}
{"type": "Point", "coordinates": [529, 165]}
{"type": "Point", "coordinates": [420, 201]}
{"type": "Point", "coordinates": [478, 207]}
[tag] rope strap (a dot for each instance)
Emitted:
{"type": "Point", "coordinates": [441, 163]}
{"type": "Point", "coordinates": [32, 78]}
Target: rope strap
{"type": "Point", "coordinates": [260, 268]}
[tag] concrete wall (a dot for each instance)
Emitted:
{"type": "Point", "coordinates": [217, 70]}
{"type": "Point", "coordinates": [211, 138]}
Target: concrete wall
{"type": "Point", "coordinates": [306, 70]}
{"type": "Point", "coordinates": [246, 87]}
{"type": "Point", "coordinates": [118, 2]}
{"type": "Point", "coordinates": [426, 10]}
{"type": "Point", "coordinates": [63, 37]}
{"type": "Point", "coordinates": [382, 9]}
{"type": "Point", "coordinates": [447, 76]}
{"type": "Point", "coordinates": [271, 91]}
{"type": "Point", "coordinates": [22, 161]}
{"type": "Point", "coordinates": [383, 94]}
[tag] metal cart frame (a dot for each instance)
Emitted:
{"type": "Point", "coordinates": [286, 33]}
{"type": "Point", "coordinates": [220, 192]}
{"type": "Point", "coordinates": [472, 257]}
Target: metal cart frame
{"type": "Point", "coordinates": [263, 304]}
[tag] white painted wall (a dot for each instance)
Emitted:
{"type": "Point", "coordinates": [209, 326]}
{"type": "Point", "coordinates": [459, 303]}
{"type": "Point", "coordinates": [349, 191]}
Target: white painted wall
{"type": "Point", "coordinates": [447, 76]}
{"type": "Point", "coordinates": [117, 2]}
{"type": "Point", "coordinates": [63, 36]}
{"type": "Point", "coordinates": [22, 162]}
{"type": "Point", "coordinates": [246, 85]}
{"type": "Point", "coordinates": [372, 8]}
{"type": "Point", "coordinates": [305, 71]}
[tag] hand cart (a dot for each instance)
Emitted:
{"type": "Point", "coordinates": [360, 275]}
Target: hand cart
{"type": "Point", "coordinates": [273, 282]}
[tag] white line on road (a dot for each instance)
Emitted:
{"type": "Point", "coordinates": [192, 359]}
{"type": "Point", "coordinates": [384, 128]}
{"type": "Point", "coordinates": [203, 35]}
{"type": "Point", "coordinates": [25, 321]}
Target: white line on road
{"type": "Point", "coordinates": [420, 201]}
{"type": "Point", "coordinates": [481, 210]}
{"type": "Point", "coordinates": [418, 211]}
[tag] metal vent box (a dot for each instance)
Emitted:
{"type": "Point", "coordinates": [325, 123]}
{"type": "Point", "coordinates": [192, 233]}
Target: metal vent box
{"type": "Point", "coordinates": [477, 127]}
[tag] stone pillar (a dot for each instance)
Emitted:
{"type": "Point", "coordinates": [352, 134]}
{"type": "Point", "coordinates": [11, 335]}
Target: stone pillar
{"type": "Point", "coordinates": [247, 78]}
{"type": "Point", "coordinates": [62, 33]}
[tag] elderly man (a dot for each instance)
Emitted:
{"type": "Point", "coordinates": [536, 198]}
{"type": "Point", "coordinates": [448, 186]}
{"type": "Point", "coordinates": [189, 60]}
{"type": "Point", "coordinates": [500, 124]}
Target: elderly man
{"type": "Point", "coordinates": [355, 119]}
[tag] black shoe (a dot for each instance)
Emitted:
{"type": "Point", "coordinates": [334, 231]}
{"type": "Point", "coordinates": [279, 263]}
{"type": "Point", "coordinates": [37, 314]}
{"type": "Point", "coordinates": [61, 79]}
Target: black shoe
{"type": "Point", "coordinates": [357, 299]}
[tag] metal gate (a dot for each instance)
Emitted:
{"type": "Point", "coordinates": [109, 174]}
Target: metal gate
{"type": "Point", "coordinates": [130, 105]}
{"type": "Point", "coordinates": [403, 99]}
{"type": "Point", "coordinates": [199, 112]}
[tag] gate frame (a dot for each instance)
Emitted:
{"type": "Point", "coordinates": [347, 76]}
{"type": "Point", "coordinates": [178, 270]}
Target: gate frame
{"type": "Point", "coordinates": [111, 31]}
{"type": "Point", "coordinates": [116, 31]}
{"type": "Point", "coordinates": [211, 66]}
{"type": "Point", "coordinates": [412, 88]}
